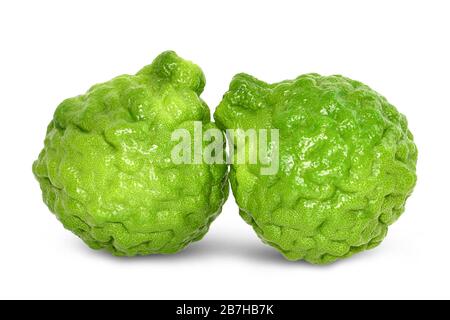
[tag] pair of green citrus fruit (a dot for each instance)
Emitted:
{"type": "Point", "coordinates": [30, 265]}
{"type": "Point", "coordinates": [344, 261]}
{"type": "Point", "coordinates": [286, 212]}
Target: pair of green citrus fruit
{"type": "Point", "coordinates": [347, 163]}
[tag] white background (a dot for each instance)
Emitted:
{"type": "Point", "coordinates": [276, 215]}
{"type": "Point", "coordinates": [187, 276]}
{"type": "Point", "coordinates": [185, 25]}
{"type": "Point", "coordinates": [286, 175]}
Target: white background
{"type": "Point", "coordinates": [51, 50]}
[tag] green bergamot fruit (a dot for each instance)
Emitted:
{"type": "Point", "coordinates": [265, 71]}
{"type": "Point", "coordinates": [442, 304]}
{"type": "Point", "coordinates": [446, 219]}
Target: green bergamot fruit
{"type": "Point", "coordinates": [347, 164]}
{"type": "Point", "coordinates": [106, 169]}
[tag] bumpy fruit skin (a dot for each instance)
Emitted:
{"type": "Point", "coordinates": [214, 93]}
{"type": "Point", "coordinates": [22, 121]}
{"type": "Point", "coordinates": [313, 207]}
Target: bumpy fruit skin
{"type": "Point", "coordinates": [106, 169]}
{"type": "Point", "coordinates": [347, 164]}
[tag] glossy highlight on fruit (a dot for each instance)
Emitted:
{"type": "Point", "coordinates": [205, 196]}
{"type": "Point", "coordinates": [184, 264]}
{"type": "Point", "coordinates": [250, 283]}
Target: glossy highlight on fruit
{"type": "Point", "coordinates": [347, 164]}
{"type": "Point", "coordinates": [106, 169]}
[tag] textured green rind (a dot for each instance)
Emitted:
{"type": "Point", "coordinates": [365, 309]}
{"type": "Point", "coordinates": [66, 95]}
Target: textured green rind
{"type": "Point", "coordinates": [106, 169]}
{"type": "Point", "coordinates": [347, 164]}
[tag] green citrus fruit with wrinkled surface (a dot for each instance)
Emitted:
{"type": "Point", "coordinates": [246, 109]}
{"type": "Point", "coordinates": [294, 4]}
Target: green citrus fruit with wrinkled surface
{"type": "Point", "coordinates": [347, 164]}
{"type": "Point", "coordinates": [106, 169]}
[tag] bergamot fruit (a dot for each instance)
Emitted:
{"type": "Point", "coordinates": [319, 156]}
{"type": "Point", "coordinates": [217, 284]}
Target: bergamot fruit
{"type": "Point", "coordinates": [347, 164]}
{"type": "Point", "coordinates": [106, 169]}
